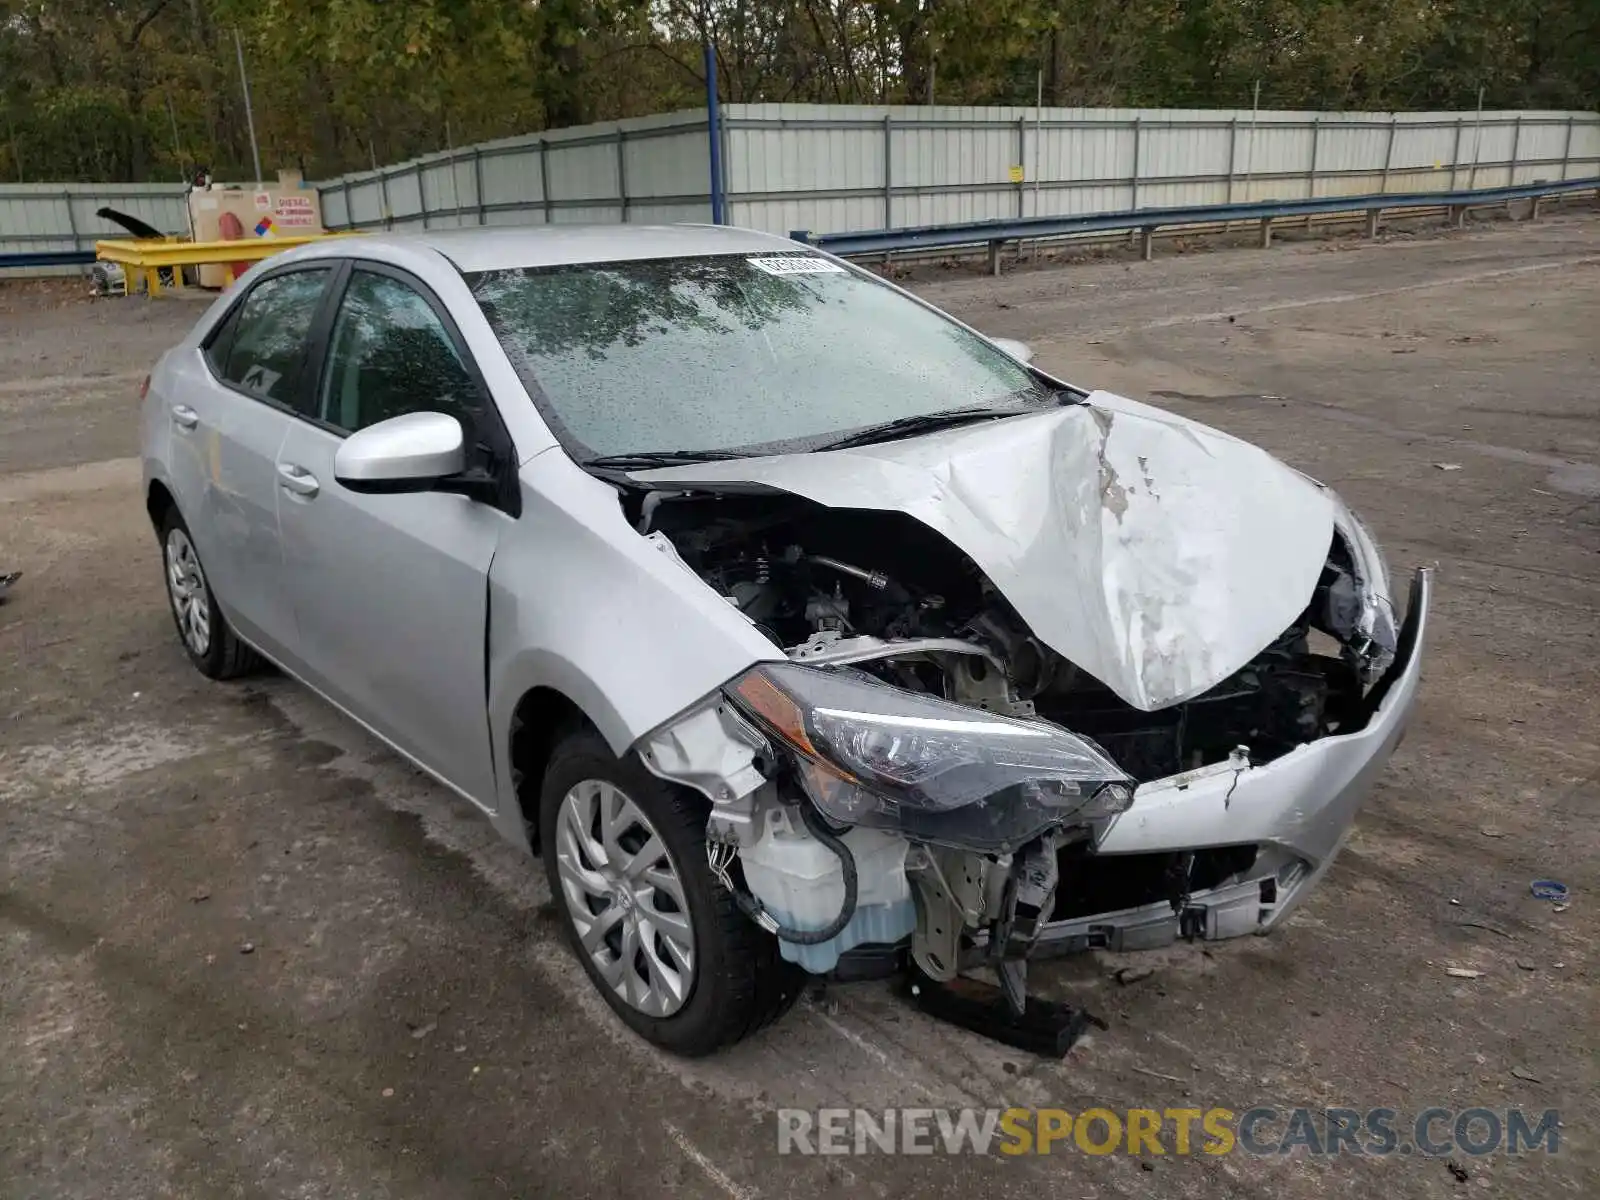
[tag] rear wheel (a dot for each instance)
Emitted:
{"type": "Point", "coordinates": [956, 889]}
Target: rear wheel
{"type": "Point", "coordinates": [665, 945]}
{"type": "Point", "coordinates": [207, 638]}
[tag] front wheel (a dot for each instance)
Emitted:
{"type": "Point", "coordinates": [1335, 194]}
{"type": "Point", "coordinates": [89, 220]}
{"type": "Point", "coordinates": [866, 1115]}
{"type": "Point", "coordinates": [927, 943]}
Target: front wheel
{"type": "Point", "coordinates": [665, 945]}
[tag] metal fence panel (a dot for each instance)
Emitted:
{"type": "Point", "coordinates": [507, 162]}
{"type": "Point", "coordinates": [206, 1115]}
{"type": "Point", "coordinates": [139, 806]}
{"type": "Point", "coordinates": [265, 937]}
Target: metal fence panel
{"type": "Point", "coordinates": [1278, 158]}
{"type": "Point", "coordinates": [57, 216]}
{"type": "Point", "coordinates": [654, 213]}
{"type": "Point", "coordinates": [445, 190]}
{"type": "Point", "coordinates": [673, 165]}
{"type": "Point", "coordinates": [586, 171]}
{"type": "Point", "coordinates": [1192, 152]}
{"type": "Point", "coordinates": [837, 168]}
{"type": "Point", "coordinates": [1085, 153]}
{"type": "Point", "coordinates": [33, 215]}
{"type": "Point", "coordinates": [794, 157]}
{"type": "Point", "coordinates": [1432, 147]}
{"type": "Point", "coordinates": [515, 217]}
{"type": "Point", "coordinates": [588, 214]}
{"type": "Point", "coordinates": [514, 177]}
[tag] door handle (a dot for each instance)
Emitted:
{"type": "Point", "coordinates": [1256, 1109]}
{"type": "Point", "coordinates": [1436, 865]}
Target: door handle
{"type": "Point", "coordinates": [297, 480]}
{"type": "Point", "coordinates": [184, 417]}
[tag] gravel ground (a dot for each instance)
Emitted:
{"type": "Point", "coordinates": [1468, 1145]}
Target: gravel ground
{"type": "Point", "coordinates": [245, 951]}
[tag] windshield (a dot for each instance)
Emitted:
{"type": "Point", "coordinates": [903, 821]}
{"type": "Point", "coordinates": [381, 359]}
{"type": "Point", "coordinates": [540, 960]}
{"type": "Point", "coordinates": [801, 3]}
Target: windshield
{"type": "Point", "coordinates": [748, 353]}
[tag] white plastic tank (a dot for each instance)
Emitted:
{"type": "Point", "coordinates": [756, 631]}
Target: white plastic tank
{"type": "Point", "coordinates": [801, 883]}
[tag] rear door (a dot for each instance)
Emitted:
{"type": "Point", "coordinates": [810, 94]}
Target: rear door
{"type": "Point", "coordinates": [390, 591]}
{"type": "Point", "coordinates": [230, 407]}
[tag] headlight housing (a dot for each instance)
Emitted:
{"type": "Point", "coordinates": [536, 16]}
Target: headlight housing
{"type": "Point", "coordinates": [1376, 631]}
{"type": "Point", "coordinates": [871, 754]}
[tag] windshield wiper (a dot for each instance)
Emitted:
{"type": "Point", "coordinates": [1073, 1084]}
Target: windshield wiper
{"type": "Point", "coordinates": [918, 423]}
{"type": "Point", "coordinates": [640, 460]}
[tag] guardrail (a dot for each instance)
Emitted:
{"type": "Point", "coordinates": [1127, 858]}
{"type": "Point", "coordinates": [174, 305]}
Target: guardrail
{"type": "Point", "coordinates": [995, 234]}
{"type": "Point", "coordinates": [47, 258]}
{"type": "Point", "coordinates": [150, 257]}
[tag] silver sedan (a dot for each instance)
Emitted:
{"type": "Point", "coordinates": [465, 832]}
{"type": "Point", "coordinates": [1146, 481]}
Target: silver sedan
{"type": "Point", "coordinates": [801, 629]}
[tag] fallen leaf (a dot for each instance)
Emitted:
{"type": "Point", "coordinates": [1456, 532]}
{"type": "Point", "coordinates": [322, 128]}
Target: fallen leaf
{"type": "Point", "coordinates": [1525, 1074]}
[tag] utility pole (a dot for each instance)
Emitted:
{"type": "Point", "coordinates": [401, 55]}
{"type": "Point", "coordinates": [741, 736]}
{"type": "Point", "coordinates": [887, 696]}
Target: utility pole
{"type": "Point", "coordinates": [1250, 146]}
{"type": "Point", "coordinates": [1477, 141]}
{"type": "Point", "coordinates": [1038, 142]}
{"type": "Point", "coordinates": [177, 149]}
{"type": "Point", "coordinates": [16, 149]}
{"type": "Point", "coordinates": [249, 115]}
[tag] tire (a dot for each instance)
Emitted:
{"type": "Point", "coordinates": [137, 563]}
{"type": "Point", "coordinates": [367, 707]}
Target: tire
{"type": "Point", "coordinates": [738, 983]}
{"type": "Point", "coordinates": [203, 632]}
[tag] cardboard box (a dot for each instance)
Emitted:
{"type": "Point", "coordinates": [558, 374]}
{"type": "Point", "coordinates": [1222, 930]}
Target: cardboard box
{"type": "Point", "coordinates": [287, 208]}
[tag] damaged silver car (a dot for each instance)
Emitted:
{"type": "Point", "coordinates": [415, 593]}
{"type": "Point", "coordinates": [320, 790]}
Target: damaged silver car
{"type": "Point", "coordinates": [803, 630]}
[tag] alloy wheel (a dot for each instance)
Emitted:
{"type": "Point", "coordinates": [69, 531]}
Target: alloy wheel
{"type": "Point", "coordinates": [186, 584]}
{"type": "Point", "coordinates": [626, 898]}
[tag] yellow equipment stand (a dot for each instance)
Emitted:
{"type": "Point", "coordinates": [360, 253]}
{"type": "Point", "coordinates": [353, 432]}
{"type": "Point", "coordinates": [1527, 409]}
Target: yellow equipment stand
{"type": "Point", "coordinates": [147, 257]}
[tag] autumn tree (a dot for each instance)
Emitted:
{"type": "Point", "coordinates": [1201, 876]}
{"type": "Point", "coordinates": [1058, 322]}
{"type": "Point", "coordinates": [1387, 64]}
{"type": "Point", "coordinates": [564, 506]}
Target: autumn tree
{"type": "Point", "coordinates": [147, 89]}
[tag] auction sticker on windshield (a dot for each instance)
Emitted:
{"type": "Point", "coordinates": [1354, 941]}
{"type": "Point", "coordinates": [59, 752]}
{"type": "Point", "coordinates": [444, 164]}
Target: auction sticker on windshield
{"type": "Point", "coordinates": [794, 264]}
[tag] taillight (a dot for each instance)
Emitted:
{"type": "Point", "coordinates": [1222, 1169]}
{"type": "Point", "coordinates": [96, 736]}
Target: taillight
{"type": "Point", "coordinates": [144, 388]}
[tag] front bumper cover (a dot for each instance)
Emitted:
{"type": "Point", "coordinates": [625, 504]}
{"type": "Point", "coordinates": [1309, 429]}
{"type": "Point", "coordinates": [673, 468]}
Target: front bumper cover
{"type": "Point", "coordinates": [1297, 809]}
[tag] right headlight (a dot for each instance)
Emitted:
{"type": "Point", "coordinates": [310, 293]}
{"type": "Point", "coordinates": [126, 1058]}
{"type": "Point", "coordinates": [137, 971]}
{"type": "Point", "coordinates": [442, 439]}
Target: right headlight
{"type": "Point", "coordinates": [1375, 626]}
{"type": "Point", "coordinates": [871, 754]}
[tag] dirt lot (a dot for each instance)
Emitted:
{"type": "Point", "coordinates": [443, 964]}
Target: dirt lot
{"type": "Point", "coordinates": [245, 951]}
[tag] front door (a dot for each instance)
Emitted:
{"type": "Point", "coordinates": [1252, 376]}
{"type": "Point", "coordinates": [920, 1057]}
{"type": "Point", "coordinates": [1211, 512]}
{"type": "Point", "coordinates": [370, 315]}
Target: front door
{"type": "Point", "coordinates": [391, 591]}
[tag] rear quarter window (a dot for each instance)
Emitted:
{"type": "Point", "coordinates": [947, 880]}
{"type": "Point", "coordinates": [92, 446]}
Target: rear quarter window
{"type": "Point", "coordinates": [220, 339]}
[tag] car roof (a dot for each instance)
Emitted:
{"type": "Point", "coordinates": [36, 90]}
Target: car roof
{"type": "Point", "coordinates": [488, 248]}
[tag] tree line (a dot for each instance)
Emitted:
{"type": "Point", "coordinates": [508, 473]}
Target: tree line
{"type": "Point", "coordinates": [139, 90]}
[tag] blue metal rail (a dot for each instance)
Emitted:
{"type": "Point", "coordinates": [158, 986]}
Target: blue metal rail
{"type": "Point", "coordinates": [48, 258]}
{"type": "Point", "coordinates": [995, 234]}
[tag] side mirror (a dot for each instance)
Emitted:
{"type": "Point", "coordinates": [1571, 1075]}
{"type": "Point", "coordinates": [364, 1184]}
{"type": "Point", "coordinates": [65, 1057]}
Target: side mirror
{"type": "Point", "coordinates": [408, 453]}
{"type": "Point", "coordinates": [1020, 351]}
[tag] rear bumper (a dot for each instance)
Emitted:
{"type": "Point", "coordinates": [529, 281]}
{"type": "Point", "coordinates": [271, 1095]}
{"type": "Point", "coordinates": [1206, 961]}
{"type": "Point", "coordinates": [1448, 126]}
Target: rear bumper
{"type": "Point", "coordinates": [1297, 810]}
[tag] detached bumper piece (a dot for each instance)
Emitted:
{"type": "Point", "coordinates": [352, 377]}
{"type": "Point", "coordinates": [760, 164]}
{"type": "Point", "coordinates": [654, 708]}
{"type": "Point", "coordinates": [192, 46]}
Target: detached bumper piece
{"type": "Point", "coordinates": [1044, 1027]}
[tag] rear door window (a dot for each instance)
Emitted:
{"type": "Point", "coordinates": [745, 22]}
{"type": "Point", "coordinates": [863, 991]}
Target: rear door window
{"type": "Point", "coordinates": [271, 335]}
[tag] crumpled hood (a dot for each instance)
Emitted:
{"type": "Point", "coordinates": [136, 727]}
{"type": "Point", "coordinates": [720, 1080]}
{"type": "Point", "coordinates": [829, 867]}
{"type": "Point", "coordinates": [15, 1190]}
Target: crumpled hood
{"type": "Point", "coordinates": [1156, 553]}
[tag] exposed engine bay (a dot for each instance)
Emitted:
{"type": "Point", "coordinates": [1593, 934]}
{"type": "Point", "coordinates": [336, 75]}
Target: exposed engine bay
{"type": "Point", "coordinates": [876, 596]}
{"type": "Point", "coordinates": [881, 592]}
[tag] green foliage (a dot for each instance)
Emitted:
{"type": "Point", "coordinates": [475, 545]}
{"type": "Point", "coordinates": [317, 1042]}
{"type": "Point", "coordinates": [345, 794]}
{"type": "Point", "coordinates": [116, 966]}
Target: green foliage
{"type": "Point", "coordinates": [148, 89]}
